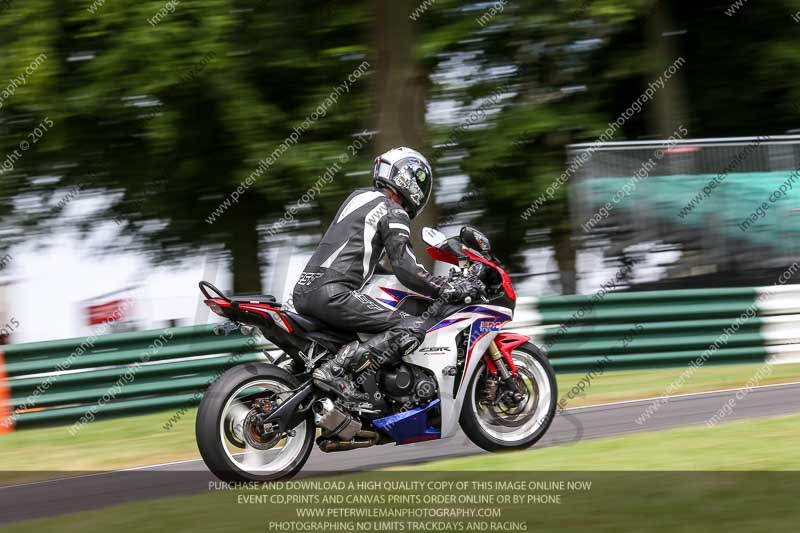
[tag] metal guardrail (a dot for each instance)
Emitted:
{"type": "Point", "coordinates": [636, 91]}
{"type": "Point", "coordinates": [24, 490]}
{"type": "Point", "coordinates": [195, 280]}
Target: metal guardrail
{"type": "Point", "coordinates": [58, 382]}
{"type": "Point", "coordinates": [625, 330]}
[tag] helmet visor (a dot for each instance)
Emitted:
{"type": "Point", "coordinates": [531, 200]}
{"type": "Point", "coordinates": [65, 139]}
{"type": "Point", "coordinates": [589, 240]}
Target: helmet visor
{"type": "Point", "coordinates": [413, 178]}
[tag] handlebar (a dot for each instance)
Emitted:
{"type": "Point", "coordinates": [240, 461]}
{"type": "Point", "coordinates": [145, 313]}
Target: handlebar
{"type": "Point", "coordinates": [472, 275]}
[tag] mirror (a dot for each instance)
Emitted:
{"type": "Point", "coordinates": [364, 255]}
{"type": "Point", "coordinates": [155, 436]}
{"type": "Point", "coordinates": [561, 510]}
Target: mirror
{"type": "Point", "coordinates": [476, 240]}
{"type": "Point", "coordinates": [432, 237]}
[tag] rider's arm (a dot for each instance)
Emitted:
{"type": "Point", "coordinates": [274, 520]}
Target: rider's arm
{"type": "Point", "coordinates": [395, 229]}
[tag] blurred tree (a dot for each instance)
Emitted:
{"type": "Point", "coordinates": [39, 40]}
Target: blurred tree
{"type": "Point", "coordinates": [525, 72]}
{"type": "Point", "coordinates": [166, 120]}
{"type": "Point", "coordinates": [567, 69]}
{"type": "Point", "coordinates": [163, 112]}
{"type": "Point", "coordinates": [736, 73]}
{"type": "Point", "coordinates": [401, 91]}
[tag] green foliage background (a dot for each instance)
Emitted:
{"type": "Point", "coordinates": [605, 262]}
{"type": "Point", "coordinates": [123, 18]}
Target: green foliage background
{"type": "Point", "coordinates": [164, 122]}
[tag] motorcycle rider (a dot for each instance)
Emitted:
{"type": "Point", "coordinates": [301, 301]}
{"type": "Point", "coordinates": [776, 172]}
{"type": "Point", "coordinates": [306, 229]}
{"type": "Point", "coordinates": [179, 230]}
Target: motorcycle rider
{"type": "Point", "coordinates": [369, 224]}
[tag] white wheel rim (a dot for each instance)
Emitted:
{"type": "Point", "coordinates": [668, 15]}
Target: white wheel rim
{"type": "Point", "coordinates": [275, 460]}
{"type": "Point", "coordinates": [544, 401]}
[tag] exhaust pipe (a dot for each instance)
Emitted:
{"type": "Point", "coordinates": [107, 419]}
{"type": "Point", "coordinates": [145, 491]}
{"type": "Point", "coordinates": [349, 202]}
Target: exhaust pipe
{"type": "Point", "coordinates": [366, 439]}
{"type": "Point", "coordinates": [335, 421]}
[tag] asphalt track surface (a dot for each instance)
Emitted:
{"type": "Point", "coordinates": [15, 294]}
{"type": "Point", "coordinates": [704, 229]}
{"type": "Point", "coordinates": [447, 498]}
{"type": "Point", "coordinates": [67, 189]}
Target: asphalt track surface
{"type": "Point", "coordinates": [88, 491]}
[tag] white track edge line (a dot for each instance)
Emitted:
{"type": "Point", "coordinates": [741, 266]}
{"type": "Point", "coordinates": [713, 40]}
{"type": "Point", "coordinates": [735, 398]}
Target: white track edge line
{"type": "Point", "coordinates": [670, 397]}
{"type": "Point", "coordinates": [146, 467]}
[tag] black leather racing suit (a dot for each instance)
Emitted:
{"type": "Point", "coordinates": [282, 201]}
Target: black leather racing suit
{"type": "Point", "coordinates": [368, 225]}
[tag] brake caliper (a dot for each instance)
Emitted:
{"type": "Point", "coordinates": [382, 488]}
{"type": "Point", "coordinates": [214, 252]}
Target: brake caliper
{"type": "Point", "coordinates": [489, 391]}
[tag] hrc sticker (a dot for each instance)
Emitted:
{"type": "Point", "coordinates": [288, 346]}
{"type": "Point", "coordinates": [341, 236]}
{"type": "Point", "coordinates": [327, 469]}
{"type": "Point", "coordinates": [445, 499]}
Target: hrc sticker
{"type": "Point", "coordinates": [491, 326]}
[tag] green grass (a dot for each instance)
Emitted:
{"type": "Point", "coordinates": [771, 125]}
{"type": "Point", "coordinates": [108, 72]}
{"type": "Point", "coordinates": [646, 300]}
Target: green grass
{"type": "Point", "coordinates": [102, 445]}
{"type": "Point", "coordinates": [613, 386]}
{"type": "Point", "coordinates": [758, 444]}
{"type": "Point", "coordinates": [142, 440]}
{"type": "Point", "coordinates": [691, 500]}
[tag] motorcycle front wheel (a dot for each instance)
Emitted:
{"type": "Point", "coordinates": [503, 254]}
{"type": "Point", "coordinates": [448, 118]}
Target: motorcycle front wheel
{"type": "Point", "coordinates": [505, 425]}
{"type": "Point", "coordinates": [232, 444]}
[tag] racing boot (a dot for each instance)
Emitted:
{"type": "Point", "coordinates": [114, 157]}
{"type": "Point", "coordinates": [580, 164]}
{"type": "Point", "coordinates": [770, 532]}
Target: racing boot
{"type": "Point", "coordinates": [336, 375]}
{"type": "Point", "coordinates": [387, 349]}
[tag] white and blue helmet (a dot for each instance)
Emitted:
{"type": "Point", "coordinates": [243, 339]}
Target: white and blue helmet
{"type": "Point", "coordinates": [408, 173]}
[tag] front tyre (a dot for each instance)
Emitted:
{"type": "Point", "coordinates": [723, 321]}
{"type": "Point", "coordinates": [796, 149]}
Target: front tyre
{"type": "Point", "coordinates": [496, 425]}
{"type": "Point", "coordinates": [234, 447]}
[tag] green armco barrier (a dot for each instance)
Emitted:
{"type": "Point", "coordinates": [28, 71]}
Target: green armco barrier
{"type": "Point", "coordinates": [138, 387]}
{"type": "Point", "coordinates": [658, 359]}
{"type": "Point", "coordinates": [649, 311]}
{"type": "Point", "coordinates": [117, 341]}
{"type": "Point", "coordinates": [649, 336]}
{"type": "Point", "coordinates": [58, 382]}
{"type": "Point", "coordinates": [71, 415]}
{"type": "Point", "coordinates": [201, 365]}
{"type": "Point", "coordinates": [655, 296]}
{"type": "Point", "coordinates": [640, 329]}
{"type": "Point", "coordinates": [171, 351]}
{"type": "Point", "coordinates": [646, 305]}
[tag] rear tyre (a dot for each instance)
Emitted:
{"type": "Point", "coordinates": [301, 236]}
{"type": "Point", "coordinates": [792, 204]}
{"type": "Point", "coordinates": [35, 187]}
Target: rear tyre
{"type": "Point", "coordinates": [231, 446]}
{"type": "Point", "coordinates": [494, 428]}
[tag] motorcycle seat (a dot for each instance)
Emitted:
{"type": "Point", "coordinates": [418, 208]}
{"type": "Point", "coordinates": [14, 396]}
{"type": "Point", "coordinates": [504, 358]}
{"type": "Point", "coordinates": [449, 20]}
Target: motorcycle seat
{"type": "Point", "coordinates": [307, 323]}
{"type": "Point", "coordinates": [319, 331]}
{"type": "Point", "coordinates": [254, 299]}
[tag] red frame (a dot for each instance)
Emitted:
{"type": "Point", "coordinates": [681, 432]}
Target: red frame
{"type": "Point", "coordinates": [253, 308]}
{"type": "Point", "coordinates": [442, 255]}
{"type": "Point", "coordinates": [225, 304]}
{"type": "Point", "coordinates": [260, 309]}
{"type": "Point", "coordinates": [506, 342]}
{"type": "Point", "coordinates": [503, 274]}
{"type": "Point", "coordinates": [448, 257]}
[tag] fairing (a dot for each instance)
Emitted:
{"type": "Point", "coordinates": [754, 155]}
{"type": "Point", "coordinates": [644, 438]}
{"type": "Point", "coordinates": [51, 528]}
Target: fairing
{"type": "Point", "coordinates": [439, 350]}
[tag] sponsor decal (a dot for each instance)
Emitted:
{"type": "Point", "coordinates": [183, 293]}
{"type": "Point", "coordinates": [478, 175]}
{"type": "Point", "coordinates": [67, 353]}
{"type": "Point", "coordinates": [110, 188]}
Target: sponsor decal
{"type": "Point", "coordinates": [491, 325]}
{"type": "Point", "coordinates": [367, 301]}
{"type": "Point", "coordinates": [445, 323]}
{"type": "Point", "coordinates": [306, 278]}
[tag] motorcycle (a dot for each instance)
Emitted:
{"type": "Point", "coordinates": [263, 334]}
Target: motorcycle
{"type": "Point", "coordinates": [260, 421]}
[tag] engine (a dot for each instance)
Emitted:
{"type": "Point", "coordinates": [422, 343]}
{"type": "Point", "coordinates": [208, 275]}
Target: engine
{"type": "Point", "coordinates": [409, 385]}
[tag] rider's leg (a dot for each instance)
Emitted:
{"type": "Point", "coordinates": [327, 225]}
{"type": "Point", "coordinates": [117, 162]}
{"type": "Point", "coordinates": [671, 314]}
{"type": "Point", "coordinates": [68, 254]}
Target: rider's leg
{"type": "Point", "coordinates": [388, 347]}
{"type": "Point", "coordinates": [385, 349]}
{"type": "Point", "coordinates": [343, 308]}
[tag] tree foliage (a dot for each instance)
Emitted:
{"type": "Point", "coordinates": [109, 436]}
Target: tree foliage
{"type": "Point", "coordinates": [163, 122]}
{"type": "Point", "coordinates": [168, 120]}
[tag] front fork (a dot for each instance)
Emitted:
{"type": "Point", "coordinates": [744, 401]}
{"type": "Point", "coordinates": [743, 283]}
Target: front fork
{"type": "Point", "coordinates": [502, 367]}
{"type": "Point", "coordinates": [497, 362]}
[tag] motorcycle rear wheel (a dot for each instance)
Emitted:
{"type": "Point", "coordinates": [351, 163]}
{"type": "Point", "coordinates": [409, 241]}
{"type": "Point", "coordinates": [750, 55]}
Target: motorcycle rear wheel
{"type": "Point", "coordinates": [222, 420]}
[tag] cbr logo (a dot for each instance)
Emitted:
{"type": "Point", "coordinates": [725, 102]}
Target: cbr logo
{"type": "Point", "coordinates": [491, 326]}
{"type": "Point", "coordinates": [436, 349]}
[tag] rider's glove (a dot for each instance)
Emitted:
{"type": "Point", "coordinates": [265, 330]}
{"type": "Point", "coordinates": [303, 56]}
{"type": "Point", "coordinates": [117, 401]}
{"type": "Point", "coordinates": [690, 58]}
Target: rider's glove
{"type": "Point", "coordinates": [459, 289]}
{"type": "Point", "coordinates": [478, 287]}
